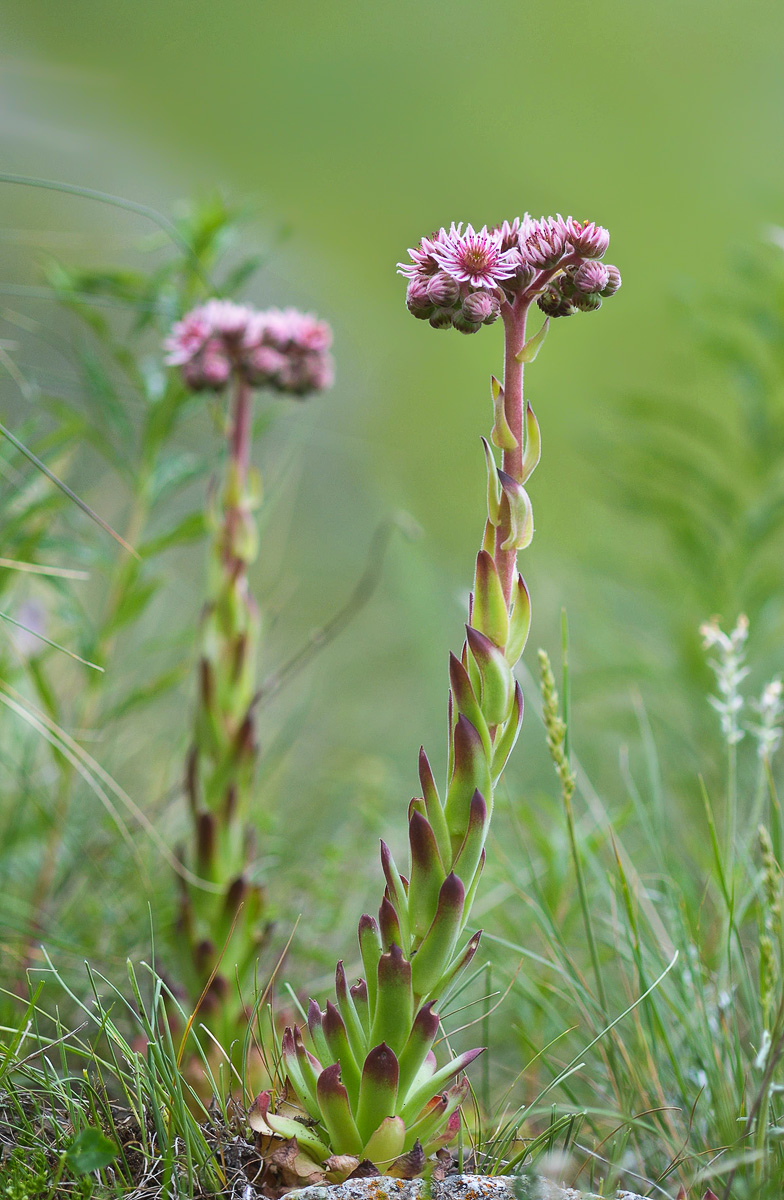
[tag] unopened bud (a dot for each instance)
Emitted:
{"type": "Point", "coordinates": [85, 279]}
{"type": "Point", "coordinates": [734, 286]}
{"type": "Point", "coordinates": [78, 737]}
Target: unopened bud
{"type": "Point", "coordinates": [216, 370]}
{"type": "Point", "coordinates": [443, 290]}
{"type": "Point", "coordinates": [587, 301]}
{"type": "Point", "coordinates": [591, 277]}
{"type": "Point", "coordinates": [441, 318]}
{"type": "Point", "coordinates": [463, 325]}
{"type": "Point", "coordinates": [554, 304]}
{"type": "Point", "coordinates": [417, 299]}
{"type": "Point", "coordinates": [482, 307]}
{"type": "Point", "coordinates": [523, 276]}
{"type": "Point", "coordinates": [613, 280]}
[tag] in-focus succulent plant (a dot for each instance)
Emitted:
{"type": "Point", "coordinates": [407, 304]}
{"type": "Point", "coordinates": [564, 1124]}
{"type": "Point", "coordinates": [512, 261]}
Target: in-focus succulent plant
{"type": "Point", "coordinates": [368, 1085]}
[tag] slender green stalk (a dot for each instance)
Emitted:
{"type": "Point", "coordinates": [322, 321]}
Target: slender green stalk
{"type": "Point", "coordinates": [556, 728]}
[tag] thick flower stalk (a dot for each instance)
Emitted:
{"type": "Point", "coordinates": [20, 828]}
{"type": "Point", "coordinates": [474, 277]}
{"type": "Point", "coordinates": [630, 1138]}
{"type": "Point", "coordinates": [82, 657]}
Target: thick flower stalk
{"type": "Point", "coordinates": [369, 1083]}
{"type": "Point", "coordinates": [226, 347]}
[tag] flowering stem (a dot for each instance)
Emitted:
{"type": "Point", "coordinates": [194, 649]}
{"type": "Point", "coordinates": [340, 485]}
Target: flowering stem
{"type": "Point", "coordinates": [514, 317]}
{"type": "Point", "coordinates": [241, 427]}
{"type": "Point", "coordinates": [222, 761]}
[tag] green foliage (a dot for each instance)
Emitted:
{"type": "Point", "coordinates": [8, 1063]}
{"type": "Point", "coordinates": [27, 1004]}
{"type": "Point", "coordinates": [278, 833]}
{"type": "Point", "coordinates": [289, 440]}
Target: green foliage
{"type": "Point", "coordinates": [684, 1087]}
{"type": "Point", "coordinates": [118, 1109]}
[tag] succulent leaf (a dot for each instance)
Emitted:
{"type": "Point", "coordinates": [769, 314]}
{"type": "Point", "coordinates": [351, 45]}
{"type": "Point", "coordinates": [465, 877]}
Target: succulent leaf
{"type": "Point", "coordinates": [533, 444]}
{"type": "Point", "coordinates": [316, 1032]}
{"type": "Point", "coordinates": [489, 612]}
{"type": "Point", "coordinates": [508, 736]}
{"type": "Point", "coordinates": [419, 1045]}
{"type": "Point", "coordinates": [519, 622]}
{"type": "Point", "coordinates": [359, 995]}
{"type": "Point", "coordinates": [370, 949]}
{"type": "Point", "coordinates": [386, 1143]}
{"type": "Point", "coordinates": [302, 1084]}
{"type": "Point", "coordinates": [464, 956]}
{"type": "Point", "coordinates": [433, 806]}
{"type": "Point", "coordinates": [516, 504]}
{"type": "Point", "coordinates": [466, 702]}
{"type": "Point", "coordinates": [495, 674]}
{"type": "Point", "coordinates": [394, 1010]}
{"type": "Point", "coordinates": [336, 1112]}
{"type": "Point", "coordinates": [354, 1030]}
{"type": "Point", "coordinates": [389, 926]}
{"type": "Point", "coordinates": [261, 1120]}
{"type": "Point", "coordinates": [427, 874]}
{"type": "Point", "coordinates": [419, 1096]}
{"type": "Point", "coordinates": [397, 891]}
{"type": "Point", "coordinates": [501, 435]}
{"type": "Point", "coordinates": [434, 954]}
{"type": "Point", "coordinates": [534, 344]}
{"type": "Point", "coordinates": [378, 1090]}
{"type": "Point", "coordinates": [471, 773]}
{"type": "Point", "coordinates": [467, 858]}
{"type": "Point", "coordinates": [493, 486]}
{"type": "Point", "coordinates": [341, 1052]}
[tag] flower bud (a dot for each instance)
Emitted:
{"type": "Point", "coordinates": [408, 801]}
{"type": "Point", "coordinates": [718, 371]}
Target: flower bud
{"type": "Point", "coordinates": [587, 239]}
{"type": "Point", "coordinates": [209, 371]}
{"type": "Point", "coordinates": [554, 304]}
{"type": "Point", "coordinates": [565, 283]}
{"type": "Point", "coordinates": [613, 280]}
{"type": "Point", "coordinates": [591, 277]}
{"type": "Point", "coordinates": [417, 299]}
{"type": "Point", "coordinates": [507, 234]}
{"type": "Point", "coordinates": [443, 290]}
{"type": "Point", "coordinates": [482, 307]}
{"type": "Point", "coordinates": [463, 325]}
{"type": "Point", "coordinates": [587, 301]}
{"type": "Point", "coordinates": [523, 276]}
{"type": "Point", "coordinates": [441, 318]}
{"type": "Point", "coordinates": [262, 364]}
{"type": "Point", "coordinates": [542, 243]}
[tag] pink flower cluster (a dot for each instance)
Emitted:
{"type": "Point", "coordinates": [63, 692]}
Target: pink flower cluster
{"type": "Point", "coordinates": [281, 349]}
{"type": "Point", "coordinates": [461, 279]}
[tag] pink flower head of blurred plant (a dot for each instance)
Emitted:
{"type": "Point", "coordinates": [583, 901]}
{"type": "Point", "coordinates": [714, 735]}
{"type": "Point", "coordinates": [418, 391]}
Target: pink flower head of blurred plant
{"type": "Point", "coordinates": [287, 350]}
{"type": "Point", "coordinates": [465, 278]}
{"type": "Point", "coordinates": [280, 349]}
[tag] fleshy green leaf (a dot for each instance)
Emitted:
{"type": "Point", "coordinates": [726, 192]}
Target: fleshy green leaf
{"type": "Point", "coordinates": [493, 486]}
{"type": "Point", "coordinates": [533, 443]}
{"type": "Point", "coordinates": [534, 344]}
{"type": "Point", "coordinates": [501, 435]}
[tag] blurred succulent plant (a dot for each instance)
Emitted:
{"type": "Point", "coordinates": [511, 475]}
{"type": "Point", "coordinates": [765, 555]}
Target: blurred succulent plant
{"type": "Point", "coordinates": [226, 347]}
{"type": "Point", "coordinates": [369, 1087]}
{"type": "Point", "coordinates": [112, 402]}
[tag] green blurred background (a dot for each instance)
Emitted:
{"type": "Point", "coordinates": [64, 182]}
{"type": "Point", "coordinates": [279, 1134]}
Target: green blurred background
{"type": "Point", "coordinates": [355, 128]}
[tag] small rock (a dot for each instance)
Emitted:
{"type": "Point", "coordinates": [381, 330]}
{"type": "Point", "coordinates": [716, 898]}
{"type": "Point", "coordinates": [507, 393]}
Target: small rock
{"type": "Point", "coordinates": [454, 1187]}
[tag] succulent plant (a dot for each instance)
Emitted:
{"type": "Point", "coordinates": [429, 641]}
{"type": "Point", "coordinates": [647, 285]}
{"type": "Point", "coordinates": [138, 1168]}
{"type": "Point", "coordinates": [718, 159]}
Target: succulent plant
{"type": "Point", "coordinates": [222, 346]}
{"type": "Point", "coordinates": [368, 1086]}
